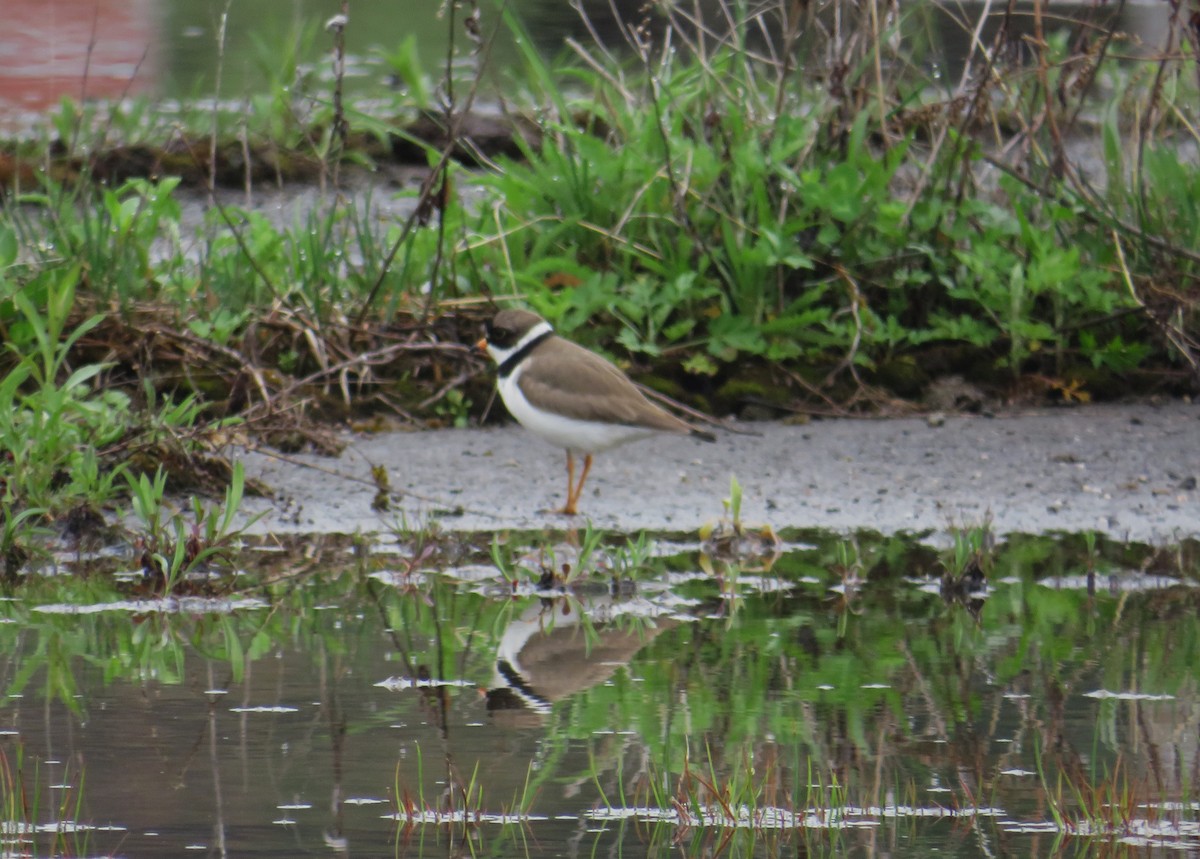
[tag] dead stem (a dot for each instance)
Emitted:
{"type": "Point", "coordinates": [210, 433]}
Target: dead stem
{"type": "Point", "coordinates": [1188, 347]}
{"type": "Point", "coordinates": [341, 127]}
{"type": "Point", "coordinates": [855, 299]}
{"type": "Point", "coordinates": [434, 186]}
{"type": "Point", "coordinates": [212, 144]}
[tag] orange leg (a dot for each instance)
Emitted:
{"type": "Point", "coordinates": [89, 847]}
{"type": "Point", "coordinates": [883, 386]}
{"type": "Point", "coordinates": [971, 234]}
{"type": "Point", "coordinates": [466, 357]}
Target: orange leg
{"type": "Point", "coordinates": [583, 475]}
{"type": "Point", "coordinates": [568, 509]}
{"type": "Point", "coordinates": [574, 490]}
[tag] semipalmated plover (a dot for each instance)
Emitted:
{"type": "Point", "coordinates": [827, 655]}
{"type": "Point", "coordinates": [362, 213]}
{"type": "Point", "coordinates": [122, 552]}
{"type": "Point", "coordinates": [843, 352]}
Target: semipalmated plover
{"type": "Point", "coordinates": [568, 396]}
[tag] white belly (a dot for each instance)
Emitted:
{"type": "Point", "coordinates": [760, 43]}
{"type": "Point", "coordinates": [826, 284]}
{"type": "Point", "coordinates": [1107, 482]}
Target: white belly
{"type": "Point", "coordinates": [575, 435]}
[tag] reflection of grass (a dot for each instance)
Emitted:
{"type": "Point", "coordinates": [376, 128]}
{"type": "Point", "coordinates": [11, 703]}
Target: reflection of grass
{"type": "Point", "coordinates": [795, 635]}
{"type": "Point", "coordinates": [460, 808]}
{"type": "Point", "coordinates": [756, 802]}
{"type": "Point", "coordinates": [1110, 803]}
{"type": "Point", "coordinates": [793, 721]}
{"type": "Point", "coordinates": [582, 556]}
{"type": "Point", "coordinates": [20, 806]}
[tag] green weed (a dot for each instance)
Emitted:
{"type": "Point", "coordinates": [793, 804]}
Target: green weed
{"type": "Point", "coordinates": [53, 416]}
{"type": "Point", "coordinates": [107, 233]}
{"type": "Point", "coordinates": [172, 548]}
{"type": "Point", "coordinates": [817, 208]}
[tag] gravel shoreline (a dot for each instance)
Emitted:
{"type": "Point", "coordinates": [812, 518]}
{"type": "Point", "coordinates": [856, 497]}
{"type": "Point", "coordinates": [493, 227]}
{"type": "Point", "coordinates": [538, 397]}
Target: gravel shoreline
{"type": "Point", "coordinates": [1127, 471]}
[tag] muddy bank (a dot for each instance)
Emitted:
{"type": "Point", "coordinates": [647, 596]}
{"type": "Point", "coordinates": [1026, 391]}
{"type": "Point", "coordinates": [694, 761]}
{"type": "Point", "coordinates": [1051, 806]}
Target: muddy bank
{"type": "Point", "coordinates": [1129, 471]}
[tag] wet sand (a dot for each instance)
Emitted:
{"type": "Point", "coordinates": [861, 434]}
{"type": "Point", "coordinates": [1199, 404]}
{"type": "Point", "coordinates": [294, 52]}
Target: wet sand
{"type": "Point", "coordinates": [1128, 471]}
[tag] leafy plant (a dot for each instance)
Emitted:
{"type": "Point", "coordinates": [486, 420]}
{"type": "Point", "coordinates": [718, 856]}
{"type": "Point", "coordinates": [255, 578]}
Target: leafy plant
{"type": "Point", "coordinates": [171, 547]}
{"type": "Point", "coordinates": [51, 416]}
{"type": "Point", "coordinates": [109, 231]}
{"type": "Point", "coordinates": [404, 65]}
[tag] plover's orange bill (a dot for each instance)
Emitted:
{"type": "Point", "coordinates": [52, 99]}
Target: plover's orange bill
{"type": "Point", "coordinates": [568, 396]}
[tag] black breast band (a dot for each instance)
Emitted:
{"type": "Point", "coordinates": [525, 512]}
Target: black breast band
{"type": "Point", "coordinates": [510, 363]}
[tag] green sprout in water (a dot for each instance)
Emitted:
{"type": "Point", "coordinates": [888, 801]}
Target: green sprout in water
{"type": "Point", "coordinates": [171, 548]}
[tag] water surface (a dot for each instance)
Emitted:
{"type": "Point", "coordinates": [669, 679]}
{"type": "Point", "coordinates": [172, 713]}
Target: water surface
{"type": "Point", "coordinates": [409, 700]}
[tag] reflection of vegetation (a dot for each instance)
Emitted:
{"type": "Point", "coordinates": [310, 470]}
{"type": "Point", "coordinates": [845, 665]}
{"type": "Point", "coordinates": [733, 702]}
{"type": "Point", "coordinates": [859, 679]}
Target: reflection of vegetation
{"type": "Point", "coordinates": [460, 807]}
{"type": "Point", "coordinates": [789, 699]}
{"type": "Point", "coordinates": [28, 827]}
{"type": "Point", "coordinates": [781, 677]}
{"type": "Point", "coordinates": [586, 555]}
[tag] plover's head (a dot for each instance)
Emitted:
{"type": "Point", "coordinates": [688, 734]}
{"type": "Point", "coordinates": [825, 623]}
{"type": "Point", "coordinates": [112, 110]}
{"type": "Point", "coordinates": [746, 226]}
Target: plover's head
{"type": "Point", "coordinates": [510, 330]}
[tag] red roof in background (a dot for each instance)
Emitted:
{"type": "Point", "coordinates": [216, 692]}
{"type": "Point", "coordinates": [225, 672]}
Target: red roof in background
{"type": "Point", "coordinates": [44, 50]}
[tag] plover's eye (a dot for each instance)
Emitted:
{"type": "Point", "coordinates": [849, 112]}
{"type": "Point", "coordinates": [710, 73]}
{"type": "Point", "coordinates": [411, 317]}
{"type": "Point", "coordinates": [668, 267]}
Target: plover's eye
{"type": "Point", "coordinates": [502, 337]}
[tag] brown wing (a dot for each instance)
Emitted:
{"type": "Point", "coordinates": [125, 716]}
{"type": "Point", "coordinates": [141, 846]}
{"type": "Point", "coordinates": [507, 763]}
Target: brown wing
{"type": "Point", "coordinates": [581, 384]}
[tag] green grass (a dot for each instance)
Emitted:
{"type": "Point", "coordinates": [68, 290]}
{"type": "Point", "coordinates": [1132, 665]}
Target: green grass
{"type": "Point", "coordinates": [726, 215]}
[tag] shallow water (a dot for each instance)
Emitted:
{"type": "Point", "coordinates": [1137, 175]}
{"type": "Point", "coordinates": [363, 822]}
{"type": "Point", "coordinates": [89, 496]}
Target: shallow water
{"type": "Point", "coordinates": [837, 700]}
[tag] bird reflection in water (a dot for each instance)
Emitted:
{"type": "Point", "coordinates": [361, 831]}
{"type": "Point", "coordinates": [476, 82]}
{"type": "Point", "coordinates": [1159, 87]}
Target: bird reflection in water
{"type": "Point", "coordinates": [559, 647]}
